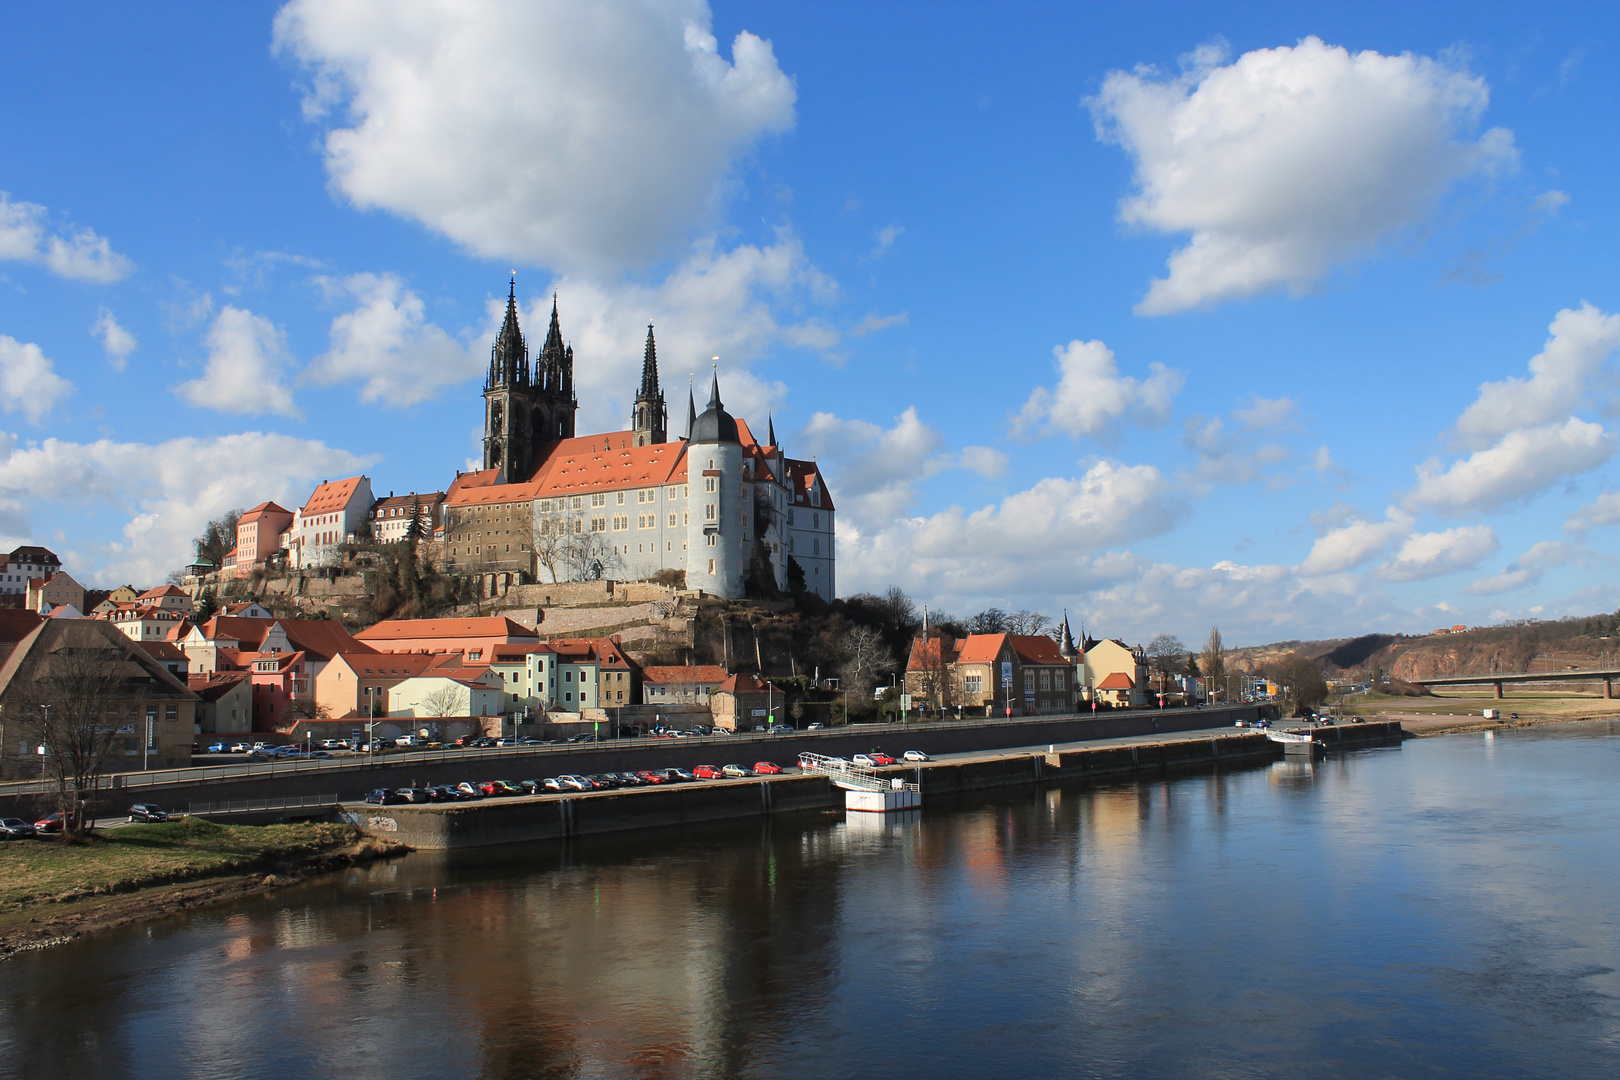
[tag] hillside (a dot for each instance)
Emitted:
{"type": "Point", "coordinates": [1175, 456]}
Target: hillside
{"type": "Point", "coordinates": [1581, 643]}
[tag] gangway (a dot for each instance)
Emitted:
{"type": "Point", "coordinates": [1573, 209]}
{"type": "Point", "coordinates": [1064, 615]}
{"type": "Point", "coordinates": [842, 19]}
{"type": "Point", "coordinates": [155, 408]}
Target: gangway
{"type": "Point", "coordinates": [865, 789]}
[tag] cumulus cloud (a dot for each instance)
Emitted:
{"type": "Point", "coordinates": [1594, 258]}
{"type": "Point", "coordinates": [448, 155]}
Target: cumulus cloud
{"type": "Point", "coordinates": [1604, 510]}
{"type": "Point", "coordinates": [1289, 160]}
{"type": "Point", "coordinates": [116, 342]}
{"type": "Point", "coordinates": [874, 470]}
{"type": "Point", "coordinates": [247, 360]}
{"type": "Point", "coordinates": [874, 322]}
{"type": "Point", "coordinates": [1348, 545]}
{"type": "Point", "coordinates": [388, 345]}
{"type": "Point", "coordinates": [724, 303]}
{"type": "Point", "coordinates": [1427, 555]}
{"type": "Point", "coordinates": [1050, 536]}
{"type": "Point", "coordinates": [581, 134]}
{"type": "Point", "coordinates": [1521, 464]}
{"type": "Point", "coordinates": [166, 491]}
{"type": "Point", "coordinates": [1579, 343]}
{"type": "Point", "coordinates": [1267, 412]}
{"type": "Point", "coordinates": [77, 253]}
{"type": "Point", "coordinates": [1093, 399]}
{"type": "Point", "coordinates": [1228, 457]}
{"type": "Point", "coordinates": [1528, 568]}
{"type": "Point", "coordinates": [29, 383]}
{"type": "Point", "coordinates": [987, 461]}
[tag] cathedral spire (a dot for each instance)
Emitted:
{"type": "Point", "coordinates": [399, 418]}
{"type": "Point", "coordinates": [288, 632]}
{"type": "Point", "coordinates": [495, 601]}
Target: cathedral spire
{"type": "Point", "coordinates": [649, 366]}
{"type": "Point", "coordinates": [770, 429]}
{"type": "Point", "coordinates": [650, 420]}
{"type": "Point", "coordinates": [691, 409]}
{"type": "Point", "coordinates": [509, 359]}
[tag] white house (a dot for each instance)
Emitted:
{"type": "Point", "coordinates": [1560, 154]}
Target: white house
{"type": "Point", "coordinates": [333, 515]}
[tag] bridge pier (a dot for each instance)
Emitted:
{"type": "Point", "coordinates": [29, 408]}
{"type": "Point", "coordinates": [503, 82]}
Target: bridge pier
{"type": "Point", "coordinates": [1608, 688]}
{"type": "Point", "coordinates": [1498, 685]}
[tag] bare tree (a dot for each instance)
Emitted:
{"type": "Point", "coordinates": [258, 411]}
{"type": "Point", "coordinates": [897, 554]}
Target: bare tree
{"type": "Point", "coordinates": [1214, 661]}
{"type": "Point", "coordinates": [1027, 623]}
{"type": "Point", "coordinates": [78, 701]}
{"type": "Point", "coordinates": [989, 621]}
{"type": "Point", "coordinates": [1168, 656]}
{"type": "Point", "coordinates": [1299, 681]}
{"type": "Point", "coordinates": [933, 678]}
{"type": "Point", "coordinates": [306, 708]}
{"type": "Point", "coordinates": [866, 657]}
{"type": "Point", "coordinates": [445, 701]}
{"type": "Point", "coordinates": [547, 539]}
{"type": "Point", "coordinates": [589, 556]}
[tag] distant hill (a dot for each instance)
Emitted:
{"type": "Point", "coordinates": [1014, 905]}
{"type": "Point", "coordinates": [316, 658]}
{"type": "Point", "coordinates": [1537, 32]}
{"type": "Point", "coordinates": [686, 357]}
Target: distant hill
{"type": "Point", "coordinates": [1582, 643]}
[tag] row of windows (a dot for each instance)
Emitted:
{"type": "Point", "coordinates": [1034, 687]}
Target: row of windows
{"type": "Point", "coordinates": [643, 495]}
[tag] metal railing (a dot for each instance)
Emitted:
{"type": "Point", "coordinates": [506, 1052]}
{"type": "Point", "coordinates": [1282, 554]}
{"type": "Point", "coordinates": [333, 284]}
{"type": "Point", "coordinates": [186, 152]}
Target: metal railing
{"type": "Point", "coordinates": [292, 802]}
{"type": "Point", "coordinates": [847, 775]}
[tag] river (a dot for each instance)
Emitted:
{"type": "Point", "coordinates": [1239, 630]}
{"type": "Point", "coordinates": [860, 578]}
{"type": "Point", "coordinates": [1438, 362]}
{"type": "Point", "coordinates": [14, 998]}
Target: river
{"type": "Point", "coordinates": [1448, 908]}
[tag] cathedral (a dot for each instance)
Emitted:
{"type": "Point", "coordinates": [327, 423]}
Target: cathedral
{"type": "Point", "coordinates": [716, 504]}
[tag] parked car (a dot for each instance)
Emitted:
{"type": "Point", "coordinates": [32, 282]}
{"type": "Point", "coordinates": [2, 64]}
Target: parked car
{"type": "Point", "coordinates": [863, 760]}
{"type": "Point", "coordinates": [554, 783]}
{"type": "Point", "coordinates": [679, 776]}
{"type": "Point", "coordinates": [708, 772]}
{"type": "Point", "coordinates": [818, 726]}
{"type": "Point", "coordinates": [650, 777]}
{"type": "Point", "coordinates": [217, 748]}
{"type": "Point", "coordinates": [1262, 723]}
{"type": "Point", "coordinates": [145, 811]}
{"type": "Point", "coordinates": [736, 770]}
{"type": "Point", "coordinates": [13, 828]}
{"type": "Point", "coordinates": [880, 758]}
{"type": "Point", "coordinates": [767, 768]}
{"type": "Point", "coordinates": [413, 795]}
{"type": "Point", "coordinates": [576, 783]}
{"type": "Point", "coordinates": [781, 729]}
{"type": "Point", "coordinates": [469, 789]}
{"type": "Point", "coordinates": [50, 823]}
{"type": "Point", "coordinates": [384, 797]}
{"type": "Point", "coordinates": [916, 755]}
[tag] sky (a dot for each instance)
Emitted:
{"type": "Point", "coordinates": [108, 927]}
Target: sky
{"type": "Point", "coordinates": [1296, 319]}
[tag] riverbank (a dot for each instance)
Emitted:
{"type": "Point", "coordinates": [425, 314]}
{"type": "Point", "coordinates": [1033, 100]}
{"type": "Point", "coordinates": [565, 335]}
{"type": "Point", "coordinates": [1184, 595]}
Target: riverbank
{"type": "Point", "coordinates": [51, 892]}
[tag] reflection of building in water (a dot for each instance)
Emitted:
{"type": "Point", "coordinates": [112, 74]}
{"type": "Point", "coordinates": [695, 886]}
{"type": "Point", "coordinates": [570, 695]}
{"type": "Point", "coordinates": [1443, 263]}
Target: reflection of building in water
{"type": "Point", "coordinates": [1114, 822]}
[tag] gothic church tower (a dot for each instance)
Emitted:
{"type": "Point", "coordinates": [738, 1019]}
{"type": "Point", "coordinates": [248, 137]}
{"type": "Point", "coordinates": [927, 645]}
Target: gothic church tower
{"type": "Point", "coordinates": [522, 409]}
{"type": "Point", "coordinates": [650, 423]}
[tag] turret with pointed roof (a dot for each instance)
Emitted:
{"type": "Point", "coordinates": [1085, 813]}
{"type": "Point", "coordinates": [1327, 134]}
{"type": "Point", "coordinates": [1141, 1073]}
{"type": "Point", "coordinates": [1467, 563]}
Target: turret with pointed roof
{"type": "Point", "coordinates": [650, 421]}
{"type": "Point", "coordinates": [1066, 639]}
{"type": "Point", "coordinates": [525, 408]}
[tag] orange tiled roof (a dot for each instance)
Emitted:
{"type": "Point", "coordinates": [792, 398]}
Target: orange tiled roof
{"type": "Point", "coordinates": [411, 629]}
{"type": "Point", "coordinates": [264, 509]}
{"type": "Point", "coordinates": [1117, 680]}
{"type": "Point", "coordinates": [980, 648]}
{"type": "Point", "coordinates": [677, 674]}
{"type": "Point", "coordinates": [925, 654]}
{"type": "Point", "coordinates": [746, 684]}
{"type": "Point", "coordinates": [332, 496]}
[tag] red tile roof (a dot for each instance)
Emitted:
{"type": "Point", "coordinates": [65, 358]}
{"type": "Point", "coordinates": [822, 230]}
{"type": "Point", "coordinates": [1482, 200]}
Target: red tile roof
{"type": "Point", "coordinates": [332, 496]}
{"type": "Point", "coordinates": [746, 684]}
{"type": "Point", "coordinates": [264, 509]}
{"type": "Point", "coordinates": [925, 654]}
{"type": "Point", "coordinates": [684, 675]}
{"type": "Point", "coordinates": [980, 648]}
{"type": "Point", "coordinates": [16, 624]}
{"type": "Point", "coordinates": [160, 593]}
{"type": "Point", "coordinates": [1117, 680]}
{"type": "Point", "coordinates": [411, 629]}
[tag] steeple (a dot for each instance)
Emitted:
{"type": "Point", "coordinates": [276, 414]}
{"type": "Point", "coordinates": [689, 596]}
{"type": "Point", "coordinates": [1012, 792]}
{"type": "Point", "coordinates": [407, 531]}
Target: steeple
{"type": "Point", "coordinates": [650, 420]}
{"type": "Point", "coordinates": [1065, 639]}
{"type": "Point", "coordinates": [509, 358]}
{"type": "Point", "coordinates": [691, 410]}
{"type": "Point", "coordinates": [770, 429]}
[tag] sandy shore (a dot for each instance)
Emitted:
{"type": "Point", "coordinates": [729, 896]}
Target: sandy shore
{"type": "Point", "coordinates": [1443, 724]}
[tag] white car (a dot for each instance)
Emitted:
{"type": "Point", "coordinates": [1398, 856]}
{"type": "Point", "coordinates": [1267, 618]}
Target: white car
{"type": "Point", "coordinates": [915, 755]}
{"type": "Point", "coordinates": [864, 761]}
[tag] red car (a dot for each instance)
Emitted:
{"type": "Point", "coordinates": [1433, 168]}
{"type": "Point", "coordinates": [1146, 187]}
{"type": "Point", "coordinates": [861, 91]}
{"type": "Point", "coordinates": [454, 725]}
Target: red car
{"type": "Point", "coordinates": [708, 772]}
{"type": "Point", "coordinates": [653, 777]}
{"type": "Point", "coordinates": [767, 768]}
{"type": "Point", "coordinates": [880, 758]}
{"type": "Point", "coordinates": [49, 824]}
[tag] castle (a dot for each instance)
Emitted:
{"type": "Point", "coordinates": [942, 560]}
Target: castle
{"type": "Point", "coordinates": [550, 505]}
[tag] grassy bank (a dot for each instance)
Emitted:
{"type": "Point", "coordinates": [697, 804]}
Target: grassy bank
{"type": "Point", "coordinates": [50, 891]}
{"type": "Point", "coordinates": [1462, 709]}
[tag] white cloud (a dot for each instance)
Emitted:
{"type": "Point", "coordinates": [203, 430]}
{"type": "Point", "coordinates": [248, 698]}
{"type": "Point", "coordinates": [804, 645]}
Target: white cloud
{"type": "Point", "coordinates": [1428, 555]}
{"type": "Point", "coordinates": [1550, 202]}
{"type": "Point", "coordinates": [885, 238]}
{"type": "Point", "coordinates": [1092, 398]}
{"type": "Point", "coordinates": [873, 470]}
{"type": "Point", "coordinates": [715, 302]}
{"type": "Point", "coordinates": [29, 383]}
{"type": "Point", "coordinates": [874, 322]}
{"type": "Point", "coordinates": [1347, 546]}
{"type": "Point", "coordinates": [1528, 568]}
{"type": "Point", "coordinates": [1289, 160]}
{"type": "Point", "coordinates": [247, 358]}
{"type": "Point", "coordinates": [582, 134]}
{"type": "Point", "coordinates": [1521, 464]}
{"type": "Point", "coordinates": [167, 491]}
{"type": "Point", "coordinates": [1228, 457]}
{"type": "Point", "coordinates": [387, 343]}
{"type": "Point", "coordinates": [1604, 510]}
{"type": "Point", "coordinates": [79, 254]}
{"type": "Point", "coordinates": [1267, 412]}
{"type": "Point", "coordinates": [1037, 541]}
{"type": "Point", "coordinates": [1560, 375]}
{"type": "Point", "coordinates": [987, 461]}
{"type": "Point", "coordinates": [116, 342]}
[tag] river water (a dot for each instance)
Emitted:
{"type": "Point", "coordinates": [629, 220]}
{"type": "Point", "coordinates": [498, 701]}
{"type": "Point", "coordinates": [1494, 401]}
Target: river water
{"type": "Point", "coordinates": [1449, 908]}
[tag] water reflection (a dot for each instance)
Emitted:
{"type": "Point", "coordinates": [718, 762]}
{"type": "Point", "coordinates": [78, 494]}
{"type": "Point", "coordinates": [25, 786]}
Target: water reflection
{"type": "Point", "coordinates": [1443, 909]}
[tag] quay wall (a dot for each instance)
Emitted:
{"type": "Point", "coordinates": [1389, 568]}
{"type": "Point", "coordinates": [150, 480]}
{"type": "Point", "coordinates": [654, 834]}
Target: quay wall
{"type": "Point", "coordinates": [352, 778]}
{"type": "Point", "coordinates": [555, 817]}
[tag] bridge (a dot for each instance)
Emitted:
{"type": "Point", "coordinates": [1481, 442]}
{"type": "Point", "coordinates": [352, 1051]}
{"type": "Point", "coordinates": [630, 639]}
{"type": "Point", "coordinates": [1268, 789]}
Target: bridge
{"type": "Point", "coordinates": [1497, 679]}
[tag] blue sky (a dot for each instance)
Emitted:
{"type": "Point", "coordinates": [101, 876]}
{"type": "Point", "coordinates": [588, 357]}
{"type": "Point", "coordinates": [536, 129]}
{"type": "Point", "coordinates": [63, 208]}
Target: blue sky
{"type": "Point", "coordinates": [1296, 319]}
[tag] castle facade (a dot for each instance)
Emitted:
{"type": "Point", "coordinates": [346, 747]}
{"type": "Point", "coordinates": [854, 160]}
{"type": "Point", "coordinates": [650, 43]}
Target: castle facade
{"type": "Point", "coordinates": [718, 505]}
